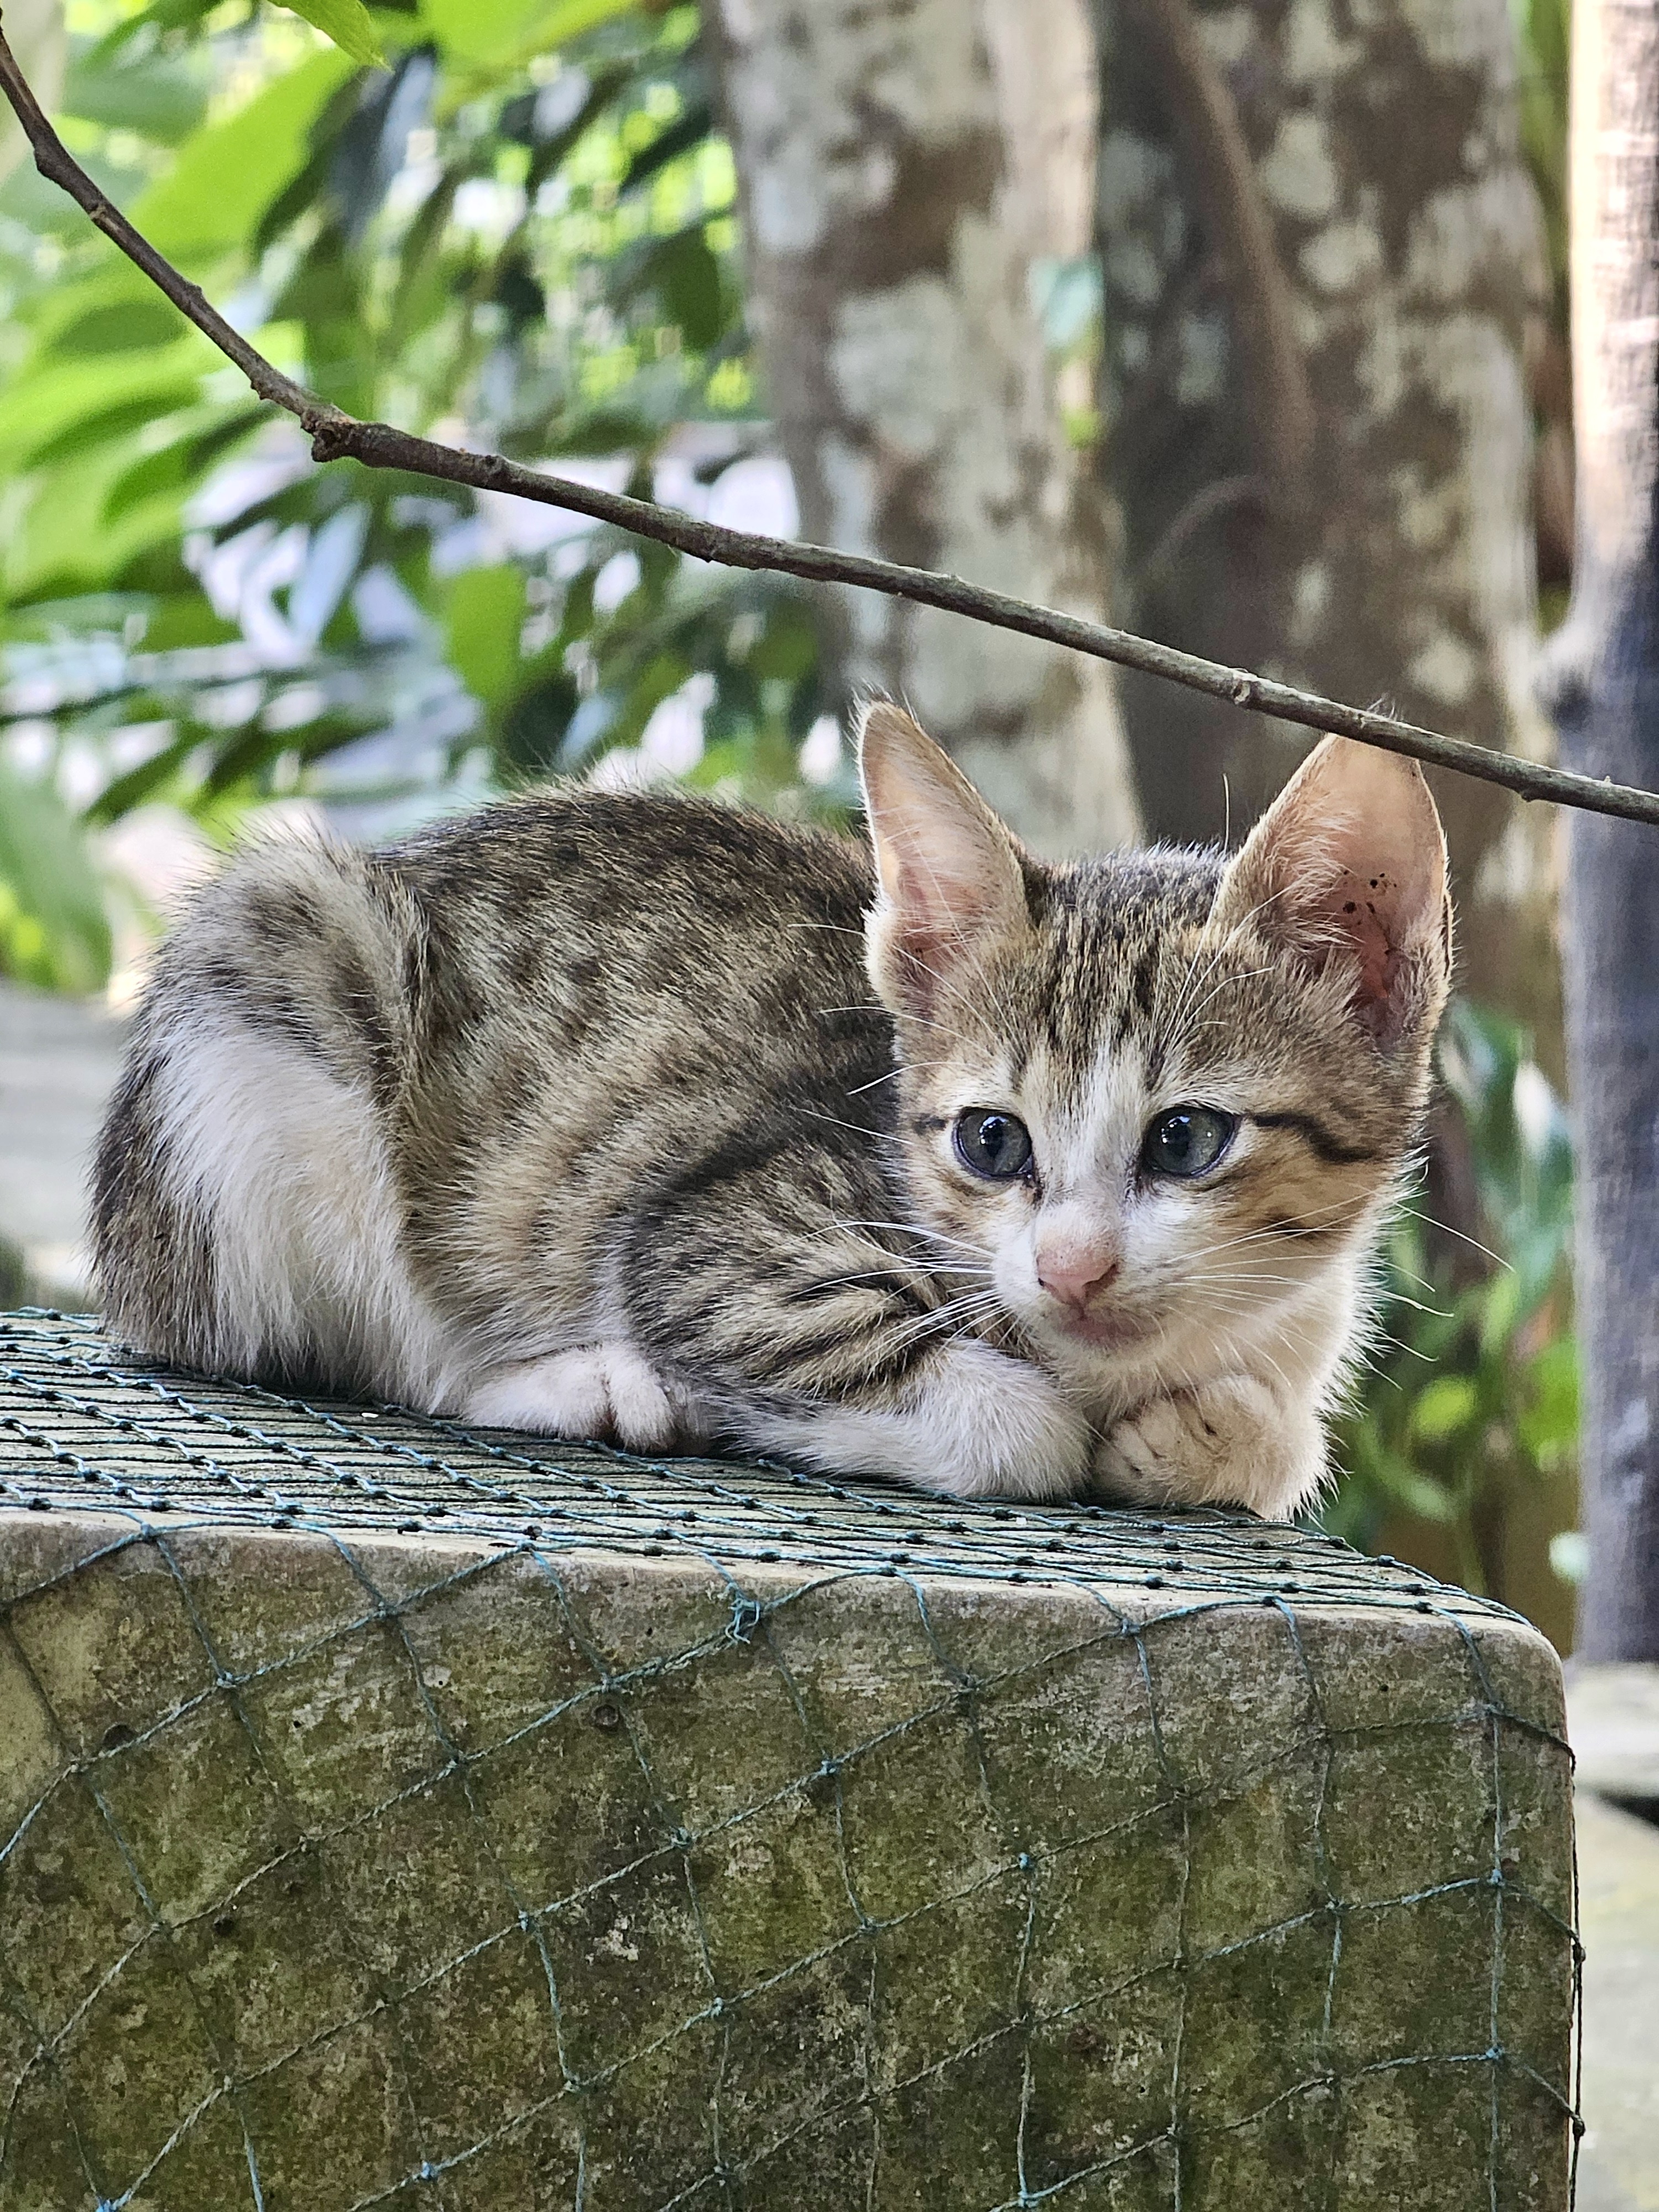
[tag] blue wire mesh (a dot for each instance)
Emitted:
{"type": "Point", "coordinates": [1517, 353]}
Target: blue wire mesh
{"type": "Point", "coordinates": [127, 1462]}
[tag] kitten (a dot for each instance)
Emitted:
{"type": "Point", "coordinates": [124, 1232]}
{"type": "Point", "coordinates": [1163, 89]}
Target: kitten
{"type": "Point", "coordinates": [638, 1117]}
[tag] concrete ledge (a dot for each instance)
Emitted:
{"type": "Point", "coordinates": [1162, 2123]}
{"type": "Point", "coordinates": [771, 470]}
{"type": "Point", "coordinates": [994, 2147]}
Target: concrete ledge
{"type": "Point", "coordinates": [1618, 1877]}
{"type": "Point", "coordinates": [1612, 1714]}
{"type": "Point", "coordinates": [392, 1816]}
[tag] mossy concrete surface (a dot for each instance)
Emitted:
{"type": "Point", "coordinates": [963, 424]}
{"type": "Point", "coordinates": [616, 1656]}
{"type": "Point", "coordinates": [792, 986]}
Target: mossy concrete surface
{"type": "Point", "coordinates": [502, 1833]}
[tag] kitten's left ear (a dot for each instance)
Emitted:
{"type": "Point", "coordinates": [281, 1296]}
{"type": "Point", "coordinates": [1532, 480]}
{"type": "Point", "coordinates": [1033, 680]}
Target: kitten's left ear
{"type": "Point", "coordinates": [950, 883]}
{"type": "Point", "coordinates": [1349, 863]}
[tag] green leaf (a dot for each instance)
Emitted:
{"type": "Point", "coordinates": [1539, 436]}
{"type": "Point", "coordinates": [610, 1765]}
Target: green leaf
{"type": "Point", "coordinates": [229, 171]}
{"type": "Point", "coordinates": [145, 781]}
{"type": "Point", "coordinates": [686, 277]}
{"type": "Point", "coordinates": [60, 405]}
{"type": "Point", "coordinates": [1406, 1486]}
{"type": "Point", "coordinates": [683, 136]}
{"type": "Point", "coordinates": [1503, 1312]}
{"type": "Point", "coordinates": [106, 427]}
{"type": "Point", "coordinates": [53, 930]}
{"type": "Point", "coordinates": [185, 618]}
{"type": "Point", "coordinates": [161, 99]}
{"type": "Point", "coordinates": [533, 730]}
{"type": "Point", "coordinates": [491, 34]}
{"type": "Point", "coordinates": [787, 650]}
{"type": "Point", "coordinates": [479, 30]}
{"type": "Point", "coordinates": [485, 620]}
{"type": "Point", "coordinates": [160, 16]}
{"type": "Point", "coordinates": [1547, 1424]}
{"type": "Point", "coordinates": [1443, 1406]}
{"type": "Point", "coordinates": [569, 19]}
{"type": "Point", "coordinates": [120, 326]}
{"type": "Point", "coordinates": [62, 540]}
{"type": "Point", "coordinates": [345, 22]}
{"type": "Point", "coordinates": [178, 466]}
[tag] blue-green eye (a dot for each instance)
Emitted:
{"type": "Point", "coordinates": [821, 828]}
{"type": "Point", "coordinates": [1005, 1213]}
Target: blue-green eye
{"type": "Point", "coordinates": [993, 1145]}
{"type": "Point", "coordinates": [1187, 1141]}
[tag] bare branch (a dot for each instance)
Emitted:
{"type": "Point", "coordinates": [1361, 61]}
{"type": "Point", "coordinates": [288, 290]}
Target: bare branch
{"type": "Point", "coordinates": [336, 436]}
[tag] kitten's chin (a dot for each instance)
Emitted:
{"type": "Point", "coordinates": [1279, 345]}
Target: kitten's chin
{"type": "Point", "coordinates": [1108, 1332]}
{"type": "Point", "coordinates": [1081, 1344]}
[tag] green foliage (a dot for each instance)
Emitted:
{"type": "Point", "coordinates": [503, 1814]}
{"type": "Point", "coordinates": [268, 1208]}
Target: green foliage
{"type": "Point", "coordinates": [345, 22]}
{"type": "Point", "coordinates": [1473, 1386]}
{"type": "Point", "coordinates": [518, 233]}
{"type": "Point", "coordinates": [53, 928]}
{"type": "Point", "coordinates": [1544, 32]}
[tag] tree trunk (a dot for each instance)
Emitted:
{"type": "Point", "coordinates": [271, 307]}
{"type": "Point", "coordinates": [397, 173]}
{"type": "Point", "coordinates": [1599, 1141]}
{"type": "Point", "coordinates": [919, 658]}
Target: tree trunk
{"type": "Point", "coordinates": [1319, 247]}
{"type": "Point", "coordinates": [902, 164]}
{"type": "Point", "coordinates": [1603, 679]}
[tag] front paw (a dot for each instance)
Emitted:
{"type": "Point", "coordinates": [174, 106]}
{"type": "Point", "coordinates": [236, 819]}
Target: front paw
{"type": "Point", "coordinates": [974, 1423]}
{"type": "Point", "coordinates": [608, 1391]}
{"type": "Point", "coordinates": [1232, 1441]}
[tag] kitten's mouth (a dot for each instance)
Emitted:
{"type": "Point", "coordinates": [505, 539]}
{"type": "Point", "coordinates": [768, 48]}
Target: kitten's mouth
{"type": "Point", "coordinates": [1107, 1332]}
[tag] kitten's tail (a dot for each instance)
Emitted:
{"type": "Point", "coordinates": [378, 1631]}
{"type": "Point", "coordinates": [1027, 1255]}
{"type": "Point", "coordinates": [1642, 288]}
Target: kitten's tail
{"type": "Point", "coordinates": [244, 1215]}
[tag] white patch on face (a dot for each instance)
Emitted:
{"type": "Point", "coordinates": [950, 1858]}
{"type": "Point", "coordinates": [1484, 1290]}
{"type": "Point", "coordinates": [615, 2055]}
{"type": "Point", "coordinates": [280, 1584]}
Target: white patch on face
{"type": "Point", "coordinates": [1185, 1292]}
{"type": "Point", "coordinates": [1085, 1149]}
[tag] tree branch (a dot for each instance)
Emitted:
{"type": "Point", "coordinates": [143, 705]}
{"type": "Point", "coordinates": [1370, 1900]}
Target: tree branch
{"type": "Point", "coordinates": [336, 436]}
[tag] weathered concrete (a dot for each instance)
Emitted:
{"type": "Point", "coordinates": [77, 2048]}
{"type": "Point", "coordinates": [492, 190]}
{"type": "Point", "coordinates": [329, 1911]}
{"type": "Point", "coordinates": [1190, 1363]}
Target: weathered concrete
{"type": "Point", "coordinates": [402, 1817]}
{"type": "Point", "coordinates": [1614, 1713]}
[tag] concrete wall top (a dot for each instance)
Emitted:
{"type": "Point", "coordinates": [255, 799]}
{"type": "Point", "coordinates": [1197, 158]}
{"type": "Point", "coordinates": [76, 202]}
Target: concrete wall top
{"type": "Point", "coordinates": [389, 1814]}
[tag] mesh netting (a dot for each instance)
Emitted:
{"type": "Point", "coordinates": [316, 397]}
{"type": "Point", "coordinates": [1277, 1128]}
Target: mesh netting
{"type": "Point", "coordinates": [392, 1812]}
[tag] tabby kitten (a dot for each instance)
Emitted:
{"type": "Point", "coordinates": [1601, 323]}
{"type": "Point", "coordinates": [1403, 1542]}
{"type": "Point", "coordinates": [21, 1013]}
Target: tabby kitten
{"type": "Point", "coordinates": [637, 1116]}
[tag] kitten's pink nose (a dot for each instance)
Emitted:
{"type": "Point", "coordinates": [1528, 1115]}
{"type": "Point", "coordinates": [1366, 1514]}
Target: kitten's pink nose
{"type": "Point", "coordinates": [1077, 1274]}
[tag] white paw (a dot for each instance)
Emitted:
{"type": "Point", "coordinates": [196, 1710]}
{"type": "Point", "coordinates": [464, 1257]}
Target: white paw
{"type": "Point", "coordinates": [993, 1426]}
{"type": "Point", "coordinates": [1232, 1441]}
{"type": "Point", "coordinates": [977, 1424]}
{"type": "Point", "coordinates": [606, 1390]}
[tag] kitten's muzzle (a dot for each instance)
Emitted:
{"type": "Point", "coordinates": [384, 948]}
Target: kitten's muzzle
{"type": "Point", "coordinates": [1079, 1280]}
{"type": "Point", "coordinates": [1076, 1275]}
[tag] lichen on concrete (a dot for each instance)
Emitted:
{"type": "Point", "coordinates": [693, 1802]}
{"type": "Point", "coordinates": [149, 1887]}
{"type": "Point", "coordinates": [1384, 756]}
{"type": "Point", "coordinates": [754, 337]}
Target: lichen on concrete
{"type": "Point", "coordinates": [569, 1832]}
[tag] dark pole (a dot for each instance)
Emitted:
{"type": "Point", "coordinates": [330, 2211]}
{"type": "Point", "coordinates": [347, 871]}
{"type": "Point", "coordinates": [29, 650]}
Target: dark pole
{"type": "Point", "coordinates": [1603, 680]}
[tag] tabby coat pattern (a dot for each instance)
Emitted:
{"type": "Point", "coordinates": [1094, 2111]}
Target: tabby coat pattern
{"type": "Point", "coordinates": [636, 1116]}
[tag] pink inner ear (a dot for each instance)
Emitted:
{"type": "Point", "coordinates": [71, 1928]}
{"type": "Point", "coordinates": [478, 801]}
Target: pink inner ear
{"type": "Point", "coordinates": [1364, 913]}
{"type": "Point", "coordinates": [937, 908]}
{"type": "Point", "coordinates": [1349, 863]}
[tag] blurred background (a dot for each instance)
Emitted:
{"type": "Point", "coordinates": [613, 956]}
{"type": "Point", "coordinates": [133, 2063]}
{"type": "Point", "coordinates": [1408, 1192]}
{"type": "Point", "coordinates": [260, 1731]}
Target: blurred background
{"type": "Point", "coordinates": [1242, 325]}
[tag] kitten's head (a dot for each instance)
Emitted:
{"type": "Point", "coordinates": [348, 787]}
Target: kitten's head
{"type": "Point", "coordinates": [1151, 1101]}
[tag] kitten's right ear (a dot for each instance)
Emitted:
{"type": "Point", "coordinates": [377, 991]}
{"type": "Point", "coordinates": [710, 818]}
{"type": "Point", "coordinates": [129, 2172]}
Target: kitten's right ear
{"type": "Point", "coordinates": [1348, 866]}
{"type": "Point", "coordinates": [949, 884]}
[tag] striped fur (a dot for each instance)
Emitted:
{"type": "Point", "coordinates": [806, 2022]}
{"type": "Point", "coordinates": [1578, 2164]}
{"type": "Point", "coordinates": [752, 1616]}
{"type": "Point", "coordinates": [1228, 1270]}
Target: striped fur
{"type": "Point", "coordinates": [632, 1115]}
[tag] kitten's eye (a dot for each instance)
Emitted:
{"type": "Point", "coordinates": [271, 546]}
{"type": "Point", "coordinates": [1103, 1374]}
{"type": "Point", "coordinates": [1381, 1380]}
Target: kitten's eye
{"type": "Point", "coordinates": [1187, 1141]}
{"type": "Point", "coordinates": [993, 1143]}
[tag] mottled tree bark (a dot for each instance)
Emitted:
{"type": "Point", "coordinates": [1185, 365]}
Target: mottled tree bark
{"type": "Point", "coordinates": [902, 164]}
{"type": "Point", "coordinates": [1320, 247]}
{"type": "Point", "coordinates": [1603, 681]}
